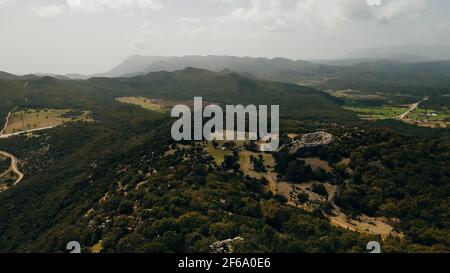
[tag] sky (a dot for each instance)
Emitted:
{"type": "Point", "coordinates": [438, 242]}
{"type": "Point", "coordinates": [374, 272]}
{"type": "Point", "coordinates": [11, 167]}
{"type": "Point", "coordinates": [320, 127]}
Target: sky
{"type": "Point", "coordinates": [93, 36]}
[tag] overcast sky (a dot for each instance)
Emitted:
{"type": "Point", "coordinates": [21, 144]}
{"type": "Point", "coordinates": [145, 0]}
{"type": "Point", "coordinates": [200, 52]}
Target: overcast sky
{"type": "Point", "coordinates": [91, 36]}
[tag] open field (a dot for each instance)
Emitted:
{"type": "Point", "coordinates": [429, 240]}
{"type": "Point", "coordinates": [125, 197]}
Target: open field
{"type": "Point", "coordinates": [146, 103]}
{"type": "Point", "coordinates": [316, 164]}
{"type": "Point", "coordinates": [377, 112]}
{"type": "Point", "coordinates": [429, 118]}
{"type": "Point", "coordinates": [31, 119]}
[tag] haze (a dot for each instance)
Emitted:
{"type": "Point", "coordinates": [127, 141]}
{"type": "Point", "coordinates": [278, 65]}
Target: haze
{"type": "Point", "coordinates": [92, 36]}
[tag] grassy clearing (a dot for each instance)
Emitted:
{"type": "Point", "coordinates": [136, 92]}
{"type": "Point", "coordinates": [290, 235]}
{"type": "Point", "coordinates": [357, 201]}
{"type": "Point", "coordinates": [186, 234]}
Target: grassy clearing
{"type": "Point", "coordinates": [146, 103]}
{"type": "Point", "coordinates": [31, 119]}
{"type": "Point", "coordinates": [316, 164]}
{"type": "Point", "coordinates": [217, 153]}
{"type": "Point", "coordinates": [377, 112]}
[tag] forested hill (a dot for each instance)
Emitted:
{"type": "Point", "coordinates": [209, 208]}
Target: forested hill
{"type": "Point", "coordinates": [294, 100]}
{"type": "Point", "coordinates": [119, 181]}
{"type": "Point", "coordinates": [379, 74]}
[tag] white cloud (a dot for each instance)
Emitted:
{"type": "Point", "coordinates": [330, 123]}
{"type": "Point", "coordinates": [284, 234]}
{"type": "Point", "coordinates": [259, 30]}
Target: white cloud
{"type": "Point", "coordinates": [50, 10]}
{"type": "Point", "coordinates": [267, 15]}
{"type": "Point", "coordinates": [374, 2]}
{"type": "Point", "coordinates": [138, 44]}
{"type": "Point", "coordinates": [126, 7]}
{"type": "Point", "coordinates": [289, 15]}
{"type": "Point", "coordinates": [395, 9]}
{"type": "Point", "coordinates": [113, 5]}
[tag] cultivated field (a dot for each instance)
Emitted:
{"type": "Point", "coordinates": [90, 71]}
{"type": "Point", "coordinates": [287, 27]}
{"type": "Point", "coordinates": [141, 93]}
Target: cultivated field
{"type": "Point", "coordinates": [429, 118]}
{"type": "Point", "coordinates": [377, 112]}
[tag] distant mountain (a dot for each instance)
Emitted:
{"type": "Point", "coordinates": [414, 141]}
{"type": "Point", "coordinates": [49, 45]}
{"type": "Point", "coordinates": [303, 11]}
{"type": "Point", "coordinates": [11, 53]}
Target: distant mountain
{"type": "Point", "coordinates": [404, 53]}
{"type": "Point", "coordinates": [76, 76]}
{"type": "Point", "coordinates": [132, 65]}
{"type": "Point", "coordinates": [276, 69]}
{"type": "Point", "coordinates": [56, 76]}
{"type": "Point", "coordinates": [11, 77]}
{"type": "Point", "coordinates": [7, 76]}
{"type": "Point", "coordinates": [359, 61]}
{"type": "Point", "coordinates": [383, 75]}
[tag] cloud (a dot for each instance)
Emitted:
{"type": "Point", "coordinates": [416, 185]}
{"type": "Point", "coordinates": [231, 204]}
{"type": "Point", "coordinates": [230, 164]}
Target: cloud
{"type": "Point", "coordinates": [266, 15]}
{"type": "Point", "coordinates": [125, 7]}
{"type": "Point", "coordinates": [51, 10]}
{"type": "Point", "coordinates": [138, 44]}
{"type": "Point", "coordinates": [290, 15]}
{"type": "Point", "coordinates": [98, 6]}
{"type": "Point", "coordinates": [374, 2]}
{"type": "Point", "coordinates": [395, 9]}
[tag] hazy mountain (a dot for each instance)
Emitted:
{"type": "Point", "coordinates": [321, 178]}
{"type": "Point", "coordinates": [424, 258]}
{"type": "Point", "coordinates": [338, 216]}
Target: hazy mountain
{"type": "Point", "coordinates": [276, 69]}
{"type": "Point", "coordinates": [56, 76]}
{"type": "Point", "coordinates": [405, 53]}
{"type": "Point", "coordinates": [76, 76]}
{"type": "Point", "coordinates": [11, 77]}
{"type": "Point", "coordinates": [7, 76]}
{"type": "Point", "coordinates": [359, 61]}
{"type": "Point", "coordinates": [132, 65]}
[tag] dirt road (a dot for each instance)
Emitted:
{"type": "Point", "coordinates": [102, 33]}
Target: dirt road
{"type": "Point", "coordinates": [27, 131]}
{"type": "Point", "coordinates": [14, 167]}
{"type": "Point", "coordinates": [412, 108]}
{"type": "Point", "coordinates": [6, 124]}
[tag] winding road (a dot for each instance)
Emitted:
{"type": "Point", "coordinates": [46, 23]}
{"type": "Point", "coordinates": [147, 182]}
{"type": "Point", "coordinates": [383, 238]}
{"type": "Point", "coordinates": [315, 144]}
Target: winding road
{"type": "Point", "coordinates": [6, 124]}
{"type": "Point", "coordinates": [26, 132]}
{"type": "Point", "coordinates": [13, 168]}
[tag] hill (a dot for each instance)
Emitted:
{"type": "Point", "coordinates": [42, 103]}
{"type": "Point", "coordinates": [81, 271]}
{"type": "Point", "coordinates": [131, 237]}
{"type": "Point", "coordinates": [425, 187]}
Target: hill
{"type": "Point", "coordinates": [121, 184]}
{"type": "Point", "coordinates": [405, 53]}
{"type": "Point", "coordinates": [132, 65]}
{"type": "Point", "coordinates": [277, 69]}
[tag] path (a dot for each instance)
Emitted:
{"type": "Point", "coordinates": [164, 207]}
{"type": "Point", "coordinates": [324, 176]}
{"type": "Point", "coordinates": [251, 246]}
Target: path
{"type": "Point", "coordinates": [412, 108]}
{"type": "Point", "coordinates": [27, 131]}
{"type": "Point", "coordinates": [14, 167]}
{"type": "Point", "coordinates": [6, 124]}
